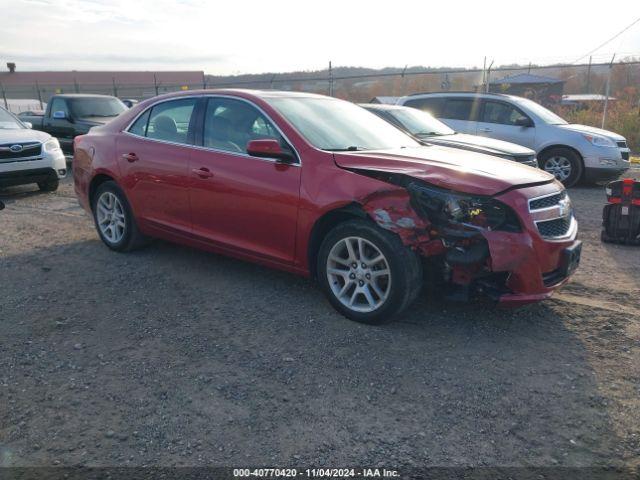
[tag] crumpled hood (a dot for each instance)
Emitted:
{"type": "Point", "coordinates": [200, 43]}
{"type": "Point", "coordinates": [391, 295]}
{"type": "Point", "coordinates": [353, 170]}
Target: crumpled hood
{"type": "Point", "coordinates": [22, 135]}
{"type": "Point", "coordinates": [449, 168]}
{"type": "Point", "coordinates": [592, 130]}
{"type": "Point", "coordinates": [480, 144]}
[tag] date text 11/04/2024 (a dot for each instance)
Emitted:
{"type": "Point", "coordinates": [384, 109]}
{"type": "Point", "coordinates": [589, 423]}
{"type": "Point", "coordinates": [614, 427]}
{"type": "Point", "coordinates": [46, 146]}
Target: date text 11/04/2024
{"type": "Point", "coordinates": [316, 472]}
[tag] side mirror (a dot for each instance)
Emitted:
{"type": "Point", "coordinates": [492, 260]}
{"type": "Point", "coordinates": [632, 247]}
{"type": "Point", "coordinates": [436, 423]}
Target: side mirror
{"type": "Point", "coordinates": [269, 148]}
{"type": "Point", "coordinates": [524, 122]}
{"type": "Point", "coordinates": [59, 115]}
{"type": "Point", "coordinates": [28, 124]}
{"type": "Point", "coordinates": [1, 205]}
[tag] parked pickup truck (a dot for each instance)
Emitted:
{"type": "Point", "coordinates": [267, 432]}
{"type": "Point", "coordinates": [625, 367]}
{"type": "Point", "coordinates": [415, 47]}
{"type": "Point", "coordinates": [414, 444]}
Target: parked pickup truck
{"type": "Point", "coordinates": [70, 115]}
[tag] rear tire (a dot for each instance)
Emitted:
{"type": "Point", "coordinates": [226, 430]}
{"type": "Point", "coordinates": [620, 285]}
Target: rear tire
{"type": "Point", "coordinates": [353, 277]}
{"type": "Point", "coordinates": [114, 219]}
{"type": "Point", "coordinates": [49, 185]}
{"type": "Point", "coordinates": [563, 163]}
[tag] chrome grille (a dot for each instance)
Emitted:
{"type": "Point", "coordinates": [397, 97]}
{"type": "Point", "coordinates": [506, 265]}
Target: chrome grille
{"type": "Point", "coordinates": [555, 228]}
{"type": "Point", "coordinates": [17, 151]}
{"type": "Point", "coordinates": [552, 214]}
{"type": "Point", "coordinates": [546, 202]}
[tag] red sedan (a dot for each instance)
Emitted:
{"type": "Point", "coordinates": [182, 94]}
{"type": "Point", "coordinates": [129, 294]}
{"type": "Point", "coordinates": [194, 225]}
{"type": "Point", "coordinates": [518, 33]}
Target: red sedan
{"type": "Point", "coordinates": [321, 187]}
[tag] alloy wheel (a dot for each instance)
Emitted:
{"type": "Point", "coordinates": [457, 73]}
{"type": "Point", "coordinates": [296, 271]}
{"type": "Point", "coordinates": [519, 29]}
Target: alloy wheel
{"type": "Point", "coordinates": [559, 167]}
{"type": "Point", "coordinates": [358, 274]}
{"type": "Point", "coordinates": [110, 217]}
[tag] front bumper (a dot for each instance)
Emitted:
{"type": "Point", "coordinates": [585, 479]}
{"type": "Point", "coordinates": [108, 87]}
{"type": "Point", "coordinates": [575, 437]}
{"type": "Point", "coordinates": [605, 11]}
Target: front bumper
{"type": "Point", "coordinates": [534, 266]}
{"type": "Point", "coordinates": [24, 177]}
{"type": "Point", "coordinates": [33, 170]}
{"type": "Point", "coordinates": [604, 163]}
{"type": "Point", "coordinates": [596, 175]}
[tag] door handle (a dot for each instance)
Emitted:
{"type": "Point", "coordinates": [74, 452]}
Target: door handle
{"type": "Point", "coordinates": [203, 172]}
{"type": "Point", "coordinates": [485, 129]}
{"type": "Point", "coordinates": [130, 157]}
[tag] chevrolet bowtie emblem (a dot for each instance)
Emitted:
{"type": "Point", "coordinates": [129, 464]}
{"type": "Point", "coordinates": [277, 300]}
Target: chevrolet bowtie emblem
{"type": "Point", "coordinates": [564, 206]}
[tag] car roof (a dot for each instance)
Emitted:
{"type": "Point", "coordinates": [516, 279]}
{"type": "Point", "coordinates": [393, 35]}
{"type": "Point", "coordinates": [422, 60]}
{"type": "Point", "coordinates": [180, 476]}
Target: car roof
{"type": "Point", "coordinates": [240, 92]}
{"type": "Point", "coordinates": [83, 95]}
{"type": "Point", "coordinates": [382, 106]}
{"type": "Point", "coordinates": [282, 94]}
{"type": "Point", "coordinates": [461, 94]}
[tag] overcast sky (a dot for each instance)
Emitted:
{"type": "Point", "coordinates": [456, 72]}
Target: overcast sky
{"type": "Point", "coordinates": [247, 36]}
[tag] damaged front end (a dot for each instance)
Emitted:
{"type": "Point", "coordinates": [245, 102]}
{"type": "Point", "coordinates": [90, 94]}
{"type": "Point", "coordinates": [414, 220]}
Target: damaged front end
{"type": "Point", "coordinates": [450, 229]}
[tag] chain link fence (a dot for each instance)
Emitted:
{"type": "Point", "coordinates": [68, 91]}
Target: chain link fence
{"type": "Point", "coordinates": [551, 85]}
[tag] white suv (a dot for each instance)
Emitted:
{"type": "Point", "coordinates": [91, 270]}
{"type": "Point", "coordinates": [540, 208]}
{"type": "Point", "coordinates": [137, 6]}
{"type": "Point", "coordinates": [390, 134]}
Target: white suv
{"type": "Point", "coordinates": [570, 152]}
{"type": "Point", "coordinates": [28, 156]}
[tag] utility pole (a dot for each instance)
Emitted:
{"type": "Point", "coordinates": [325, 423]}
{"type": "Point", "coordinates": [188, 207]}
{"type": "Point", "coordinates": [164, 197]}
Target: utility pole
{"type": "Point", "coordinates": [589, 76]}
{"type": "Point", "coordinates": [4, 97]}
{"type": "Point", "coordinates": [488, 77]}
{"type": "Point", "coordinates": [39, 95]}
{"type": "Point", "coordinates": [606, 95]}
{"type": "Point", "coordinates": [76, 87]}
{"type": "Point", "coordinates": [115, 88]}
{"type": "Point", "coordinates": [155, 84]}
{"type": "Point", "coordinates": [330, 80]}
{"type": "Point", "coordinates": [484, 72]}
{"type": "Point", "coordinates": [404, 80]}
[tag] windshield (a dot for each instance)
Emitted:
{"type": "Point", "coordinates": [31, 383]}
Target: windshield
{"type": "Point", "coordinates": [420, 123]}
{"type": "Point", "coordinates": [546, 115]}
{"type": "Point", "coordinates": [8, 121]}
{"type": "Point", "coordinates": [331, 124]}
{"type": "Point", "coordinates": [96, 107]}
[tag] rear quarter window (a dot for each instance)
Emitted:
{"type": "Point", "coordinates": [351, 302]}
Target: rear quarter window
{"type": "Point", "coordinates": [139, 127]}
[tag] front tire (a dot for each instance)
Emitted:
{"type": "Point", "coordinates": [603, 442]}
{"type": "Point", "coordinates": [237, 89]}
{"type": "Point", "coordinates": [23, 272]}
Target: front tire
{"type": "Point", "coordinates": [367, 273]}
{"type": "Point", "coordinates": [564, 164]}
{"type": "Point", "coordinates": [114, 219]}
{"type": "Point", "coordinates": [49, 185]}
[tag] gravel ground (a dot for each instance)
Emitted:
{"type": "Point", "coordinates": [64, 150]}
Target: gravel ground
{"type": "Point", "coordinates": [171, 356]}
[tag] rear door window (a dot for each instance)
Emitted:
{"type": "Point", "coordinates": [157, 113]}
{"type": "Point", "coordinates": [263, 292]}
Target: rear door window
{"type": "Point", "coordinates": [459, 109]}
{"type": "Point", "coordinates": [170, 121]}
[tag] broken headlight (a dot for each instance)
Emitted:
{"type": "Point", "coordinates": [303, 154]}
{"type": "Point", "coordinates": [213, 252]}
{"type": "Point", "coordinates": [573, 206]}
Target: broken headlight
{"type": "Point", "coordinates": [444, 207]}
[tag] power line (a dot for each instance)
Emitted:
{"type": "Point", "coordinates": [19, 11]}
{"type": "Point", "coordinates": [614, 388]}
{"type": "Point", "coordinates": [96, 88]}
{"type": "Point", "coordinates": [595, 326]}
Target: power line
{"type": "Point", "coordinates": [612, 38]}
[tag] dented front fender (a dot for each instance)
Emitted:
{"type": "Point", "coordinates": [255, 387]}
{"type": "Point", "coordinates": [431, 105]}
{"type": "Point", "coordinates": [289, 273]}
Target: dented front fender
{"type": "Point", "coordinates": [391, 210]}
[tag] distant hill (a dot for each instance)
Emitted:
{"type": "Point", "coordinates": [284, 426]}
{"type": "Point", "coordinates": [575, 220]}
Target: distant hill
{"type": "Point", "coordinates": [361, 84]}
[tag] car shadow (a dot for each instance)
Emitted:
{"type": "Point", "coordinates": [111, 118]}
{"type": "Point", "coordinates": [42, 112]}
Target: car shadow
{"type": "Point", "coordinates": [186, 346]}
{"type": "Point", "coordinates": [10, 195]}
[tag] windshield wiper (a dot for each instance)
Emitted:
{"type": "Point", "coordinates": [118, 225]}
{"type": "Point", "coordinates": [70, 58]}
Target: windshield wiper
{"type": "Point", "coordinates": [351, 148]}
{"type": "Point", "coordinates": [431, 134]}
